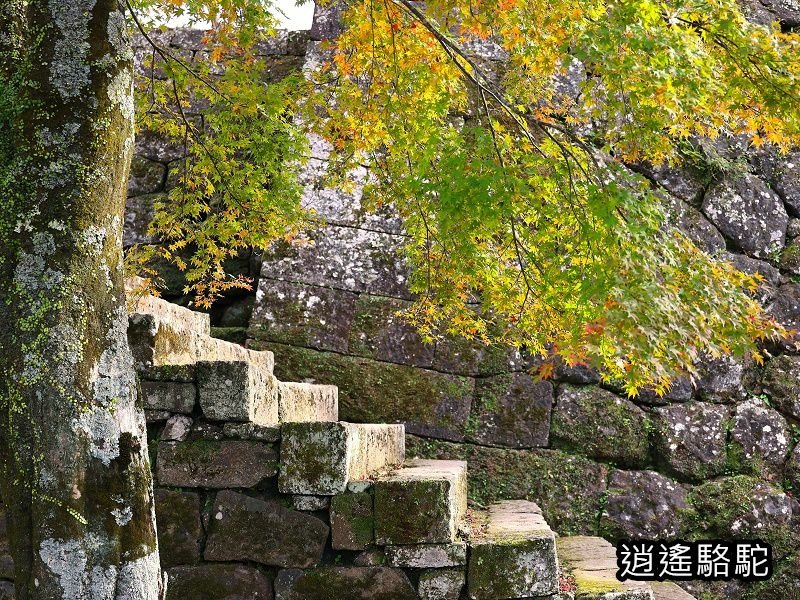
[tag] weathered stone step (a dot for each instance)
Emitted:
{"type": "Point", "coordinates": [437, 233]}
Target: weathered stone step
{"type": "Point", "coordinates": [514, 554]}
{"type": "Point", "coordinates": [155, 341]}
{"type": "Point", "coordinates": [307, 402]}
{"type": "Point", "coordinates": [321, 458]}
{"type": "Point", "coordinates": [592, 563]}
{"type": "Point", "coordinates": [666, 590]}
{"type": "Point", "coordinates": [422, 503]}
{"type": "Point", "coordinates": [240, 391]}
{"type": "Point", "coordinates": [174, 314]}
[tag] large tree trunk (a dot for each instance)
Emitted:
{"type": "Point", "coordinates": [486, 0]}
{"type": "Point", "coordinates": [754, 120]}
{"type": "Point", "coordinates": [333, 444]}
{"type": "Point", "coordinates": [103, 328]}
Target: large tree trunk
{"type": "Point", "coordinates": [75, 474]}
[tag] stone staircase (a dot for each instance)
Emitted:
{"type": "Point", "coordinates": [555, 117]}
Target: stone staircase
{"type": "Point", "coordinates": [262, 493]}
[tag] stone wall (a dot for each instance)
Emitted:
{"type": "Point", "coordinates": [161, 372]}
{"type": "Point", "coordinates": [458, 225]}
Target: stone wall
{"type": "Point", "coordinates": [713, 459]}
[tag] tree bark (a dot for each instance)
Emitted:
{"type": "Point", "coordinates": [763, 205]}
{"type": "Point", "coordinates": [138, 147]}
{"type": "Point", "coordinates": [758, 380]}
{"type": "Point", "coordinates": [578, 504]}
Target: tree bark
{"type": "Point", "coordinates": [75, 476]}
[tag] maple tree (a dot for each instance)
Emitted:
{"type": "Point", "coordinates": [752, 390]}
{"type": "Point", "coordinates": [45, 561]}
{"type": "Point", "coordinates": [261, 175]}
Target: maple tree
{"type": "Point", "coordinates": [508, 186]}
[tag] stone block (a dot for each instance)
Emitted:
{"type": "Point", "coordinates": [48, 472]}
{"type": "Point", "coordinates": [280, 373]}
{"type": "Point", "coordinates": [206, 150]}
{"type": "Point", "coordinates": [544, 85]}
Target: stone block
{"type": "Point", "coordinates": [749, 213]}
{"type": "Point", "coordinates": [170, 313]}
{"type": "Point", "coordinates": [427, 556]}
{"type": "Point", "coordinates": [666, 590]}
{"type": "Point", "coordinates": [215, 464]}
{"type": "Point", "coordinates": [514, 556]}
{"type": "Point", "coordinates": [7, 591]}
{"type": "Point", "coordinates": [344, 258]}
{"type": "Point", "coordinates": [599, 424]}
{"type": "Point", "coordinates": [379, 332]}
{"type": "Point", "coordinates": [352, 520]}
{"type": "Point", "coordinates": [512, 410]}
{"type": "Point", "coordinates": [428, 402]}
{"type": "Point", "coordinates": [237, 391]}
{"type": "Point", "coordinates": [169, 396]}
{"type": "Point", "coordinates": [721, 379]}
{"type": "Point", "coordinates": [441, 584]}
{"type": "Point", "coordinates": [567, 487]}
{"type": "Point", "coordinates": [248, 529]}
{"type": "Point", "coordinates": [321, 458]}
{"type": "Point", "coordinates": [422, 503]}
{"type": "Point", "coordinates": [353, 583]}
{"type": "Point", "coordinates": [155, 342]}
{"type": "Point", "coordinates": [691, 438]}
{"type": "Point", "coordinates": [592, 563]}
{"type": "Point", "coordinates": [180, 531]}
{"type": "Point", "coordinates": [223, 582]}
{"type": "Point", "coordinates": [177, 373]}
{"type": "Point", "coordinates": [759, 439]}
{"type": "Point", "coordinates": [304, 402]}
{"type": "Point", "coordinates": [643, 504]}
{"type": "Point", "coordinates": [302, 315]}
{"type": "Point", "coordinates": [782, 383]}
{"type": "Point", "coordinates": [741, 507]}
{"type": "Point", "coordinates": [6, 567]}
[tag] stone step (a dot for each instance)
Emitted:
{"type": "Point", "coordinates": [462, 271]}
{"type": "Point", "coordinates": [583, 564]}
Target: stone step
{"type": "Point", "coordinates": [592, 563]}
{"type": "Point", "coordinates": [422, 503]}
{"type": "Point", "coordinates": [307, 402]}
{"type": "Point", "coordinates": [178, 316]}
{"type": "Point", "coordinates": [666, 590]}
{"type": "Point", "coordinates": [513, 555]}
{"type": "Point", "coordinates": [239, 391]}
{"type": "Point", "coordinates": [155, 342]}
{"type": "Point", "coordinates": [320, 459]}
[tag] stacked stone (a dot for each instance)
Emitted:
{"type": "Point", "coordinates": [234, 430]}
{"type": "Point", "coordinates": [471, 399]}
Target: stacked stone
{"type": "Point", "coordinates": [262, 493]}
{"type": "Point", "coordinates": [713, 458]}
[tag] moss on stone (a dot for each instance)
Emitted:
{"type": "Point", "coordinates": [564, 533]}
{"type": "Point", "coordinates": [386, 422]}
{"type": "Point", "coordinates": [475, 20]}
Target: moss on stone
{"type": "Point", "coordinates": [375, 392]}
{"type": "Point", "coordinates": [568, 488]}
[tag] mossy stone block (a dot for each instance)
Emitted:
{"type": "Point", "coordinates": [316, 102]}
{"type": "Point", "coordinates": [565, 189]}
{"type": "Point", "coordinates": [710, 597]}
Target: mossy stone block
{"type": "Point", "coordinates": [352, 521]}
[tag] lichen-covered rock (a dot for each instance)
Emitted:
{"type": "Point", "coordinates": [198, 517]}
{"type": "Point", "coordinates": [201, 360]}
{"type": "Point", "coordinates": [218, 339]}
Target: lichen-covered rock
{"type": "Point", "coordinates": [430, 556]}
{"type": "Point", "coordinates": [379, 332]}
{"type": "Point", "coordinates": [352, 520]}
{"type": "Point", "coordinates": [353, 583]}
{"type": "Point", "coordinates": [748, 213]}
{"type": "Point", "coordinates": [697, 228]}
{"type": "Point", "coordinates": [741, 507]}
{"type": "Point", "coordinates": [690, 438]}
{"type": "Point", "coordinates": [237, 391]}
{"type": "Point", "coordinates": [248, 529]}
{"type": "Point", "coordinates": [681, 390]}
{"type": "Point", "coordinates": [345, 258]}
{"type": "Point", "coordinates": [782, 383]}
{"type": "Point", "coordinates": [7, 591]}
{"type": "Point", "coordinates": [177, 428]}
{"type": "Point", "coordinates": [180, 531]}
{"type": "Point", "coordinates": [766, 12]}
{"type": "Point", "coordinates": [427, 402]}
{"type": "Point", "coordinates": [422, 503]}
{"type": "Point", "coordinates": [220, 582]}
{"type": "Point", "coordinates": [783, 172]}
{"type": "Point", "coordinates": [568, 488]}
{"type": "Point", "coordinates": [310, 503]}
{"type": "Point", "coordinates": [721, 379]}
{"type": "Point", "coordinates": [215, 464]}
{"type": "Point", "coordinates": [682, 181]}
{"type": "Point", "coordinates": [169, 396]}
{"type": "Point", "coordinates": [599, 424]}
{"type": "Point", "coordinates": [441, 584]}
{"type": "Point", "coordinates": [578, 374]}
{"type": "Point", "coordinates": [643, 504]}
{"type": "Point", "coordinates": [322, 458]}
{"type": "Point", "coordinates": [753, 266]}
{"type": "Point", "coordinates": [371, 557]}
{"type": "Point", "coordinates": [759, 439]}
{"type": "Point", "coordinates": [302, 315]}
{"type": "Point", "coordinates": [514, 556]}
{"type": "Point", "coordinates": [512, 410]}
